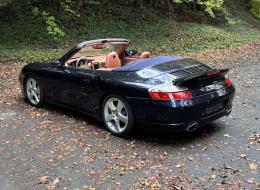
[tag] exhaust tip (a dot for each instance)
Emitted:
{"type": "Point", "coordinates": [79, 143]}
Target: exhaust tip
{"type": "Point", "coordinates": [192, 126]}
{"type": "Point", "coordinates": [228, 111]}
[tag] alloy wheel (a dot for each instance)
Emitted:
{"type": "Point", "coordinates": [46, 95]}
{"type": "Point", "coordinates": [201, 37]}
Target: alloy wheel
{"type": "Point", "coordinates": [115, 115]}
{"type": "Point", "coordinates": [33, 91]}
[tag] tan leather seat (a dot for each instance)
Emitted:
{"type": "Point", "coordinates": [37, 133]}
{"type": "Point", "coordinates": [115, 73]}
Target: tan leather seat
{"type": "Point", "coordinates": [145, 55]}
{"type": "Point", "coordinates": [112, 60]}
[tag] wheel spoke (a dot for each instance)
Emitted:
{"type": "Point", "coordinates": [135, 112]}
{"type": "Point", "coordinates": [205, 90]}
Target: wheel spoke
{"type": "Point", "coordinates": [34, 84]}
{"type": "Point", "coordinates": [30, 96]}
{"type": "Point", "coordinates": [111, 105]}
{"type": "Point", "coordinates": [109, 117]}
{"type": "Point", "coordinates": [37, 90]}
{"type": "Point", "coordinates": [119, 106]}
{"type": "Point", "coordinates": [36, 98]}
{"type": "Point", "coordinates": [117, 125]}
{"type": "Point", "coordinates": [122, 118]}
{"type": "Point", "coordinates": [29, 85]}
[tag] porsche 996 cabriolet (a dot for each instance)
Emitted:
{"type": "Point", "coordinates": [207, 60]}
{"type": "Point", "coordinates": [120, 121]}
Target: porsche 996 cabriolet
{"type": "Point", "coordinates": [125, 88]}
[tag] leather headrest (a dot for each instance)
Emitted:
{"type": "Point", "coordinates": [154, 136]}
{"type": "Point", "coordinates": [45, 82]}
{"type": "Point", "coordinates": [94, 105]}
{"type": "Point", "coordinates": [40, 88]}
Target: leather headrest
{"type": "Point", "coordinates": [145, 55]}
{"type": "Point", "coordinates": [112, 60]}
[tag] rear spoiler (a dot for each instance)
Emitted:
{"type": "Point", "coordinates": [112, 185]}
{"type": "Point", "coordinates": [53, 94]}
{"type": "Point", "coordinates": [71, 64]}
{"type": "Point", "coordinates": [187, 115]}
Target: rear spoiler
{"type": "Point", "coordinates": [200, 76]}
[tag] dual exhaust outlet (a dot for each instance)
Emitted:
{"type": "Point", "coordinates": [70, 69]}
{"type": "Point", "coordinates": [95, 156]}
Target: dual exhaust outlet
{"type": "Point", "coordinates": [193, 126]}
{"type": "Point", "coordinates": [228, 111]}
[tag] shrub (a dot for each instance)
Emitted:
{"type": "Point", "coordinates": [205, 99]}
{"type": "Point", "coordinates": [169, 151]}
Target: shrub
{"type": "Point", "coordinates": [53, 29]}
{"type": "Point", "coordinates": [255, 8]}
{"type": "Point", "coordinates": [209, 6]}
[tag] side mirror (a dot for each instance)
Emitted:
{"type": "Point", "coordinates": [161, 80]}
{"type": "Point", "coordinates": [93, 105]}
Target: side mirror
{"type": "Point", "coordinates": [57, 63]}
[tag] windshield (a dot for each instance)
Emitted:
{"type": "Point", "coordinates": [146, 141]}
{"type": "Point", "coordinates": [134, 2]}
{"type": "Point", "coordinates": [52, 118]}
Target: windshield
{"type": "Point", "coordinates": [100, 49]}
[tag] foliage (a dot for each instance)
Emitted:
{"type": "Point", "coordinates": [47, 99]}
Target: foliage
{"type": "Point", "coordinates": [154, 35]}
{"type": "Point", "coordinates": [26, 37]}
{"type": "Point", "coordinates": [209, 6]}
{"type": "Point", "coordinates": [53, 29]}
{"type": "Point", "coordinates": [66, 6]}
{"type": "Point", "coordinates": [63, 7]}
{"type": "Point", "coordinates": [255, 8]}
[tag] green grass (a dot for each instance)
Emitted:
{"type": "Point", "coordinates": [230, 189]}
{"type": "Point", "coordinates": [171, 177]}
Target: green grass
{"type": "Point", "coordinates": [26, 39]}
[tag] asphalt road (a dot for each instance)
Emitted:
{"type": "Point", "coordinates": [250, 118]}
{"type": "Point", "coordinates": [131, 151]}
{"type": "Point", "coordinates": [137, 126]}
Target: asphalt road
{"type": "Point", "coordinates": [76, 152]}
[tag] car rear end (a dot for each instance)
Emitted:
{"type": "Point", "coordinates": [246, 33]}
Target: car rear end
{"type": "Point", "coordinates": [196, 96]}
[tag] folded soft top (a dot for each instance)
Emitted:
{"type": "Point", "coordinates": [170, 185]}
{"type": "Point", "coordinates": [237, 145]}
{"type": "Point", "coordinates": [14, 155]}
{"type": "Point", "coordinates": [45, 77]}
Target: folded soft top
{"type": "Point", "coordinates": [144, 63]}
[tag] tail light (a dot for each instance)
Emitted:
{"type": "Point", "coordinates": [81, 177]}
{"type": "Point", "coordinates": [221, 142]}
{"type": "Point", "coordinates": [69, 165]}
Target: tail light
{"type": "Point", "coordinates": [181, 95]}
{"type": "Point", "coordinates": [228, 82]}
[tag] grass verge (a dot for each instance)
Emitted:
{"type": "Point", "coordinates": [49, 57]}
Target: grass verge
{"type": "Point", "coordinates": [26, 39]}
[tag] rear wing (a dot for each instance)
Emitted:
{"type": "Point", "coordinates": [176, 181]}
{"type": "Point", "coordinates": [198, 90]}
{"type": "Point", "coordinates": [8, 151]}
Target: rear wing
{"type": "Point", "coordinates": [200, 76]}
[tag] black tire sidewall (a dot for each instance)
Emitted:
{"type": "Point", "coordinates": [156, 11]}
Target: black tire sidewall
{"type": "Point", "coordinates": [41, 91]}
{"type": "Point", "coordinates": [130, 124]}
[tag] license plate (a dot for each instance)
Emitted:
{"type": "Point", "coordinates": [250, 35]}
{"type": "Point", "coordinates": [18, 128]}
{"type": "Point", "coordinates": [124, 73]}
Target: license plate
{"type": "Point", "coordinates": [211, 109]}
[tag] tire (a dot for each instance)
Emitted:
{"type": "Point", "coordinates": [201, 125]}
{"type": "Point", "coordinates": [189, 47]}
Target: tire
{"type": "Point", "coordinates": [117, 115]}
{"type": "Point", "coordinates": [33, 91]}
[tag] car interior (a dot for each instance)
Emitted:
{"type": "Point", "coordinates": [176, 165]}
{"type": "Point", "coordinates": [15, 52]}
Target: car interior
{"type": "Point", "coordinates": [105, 56]}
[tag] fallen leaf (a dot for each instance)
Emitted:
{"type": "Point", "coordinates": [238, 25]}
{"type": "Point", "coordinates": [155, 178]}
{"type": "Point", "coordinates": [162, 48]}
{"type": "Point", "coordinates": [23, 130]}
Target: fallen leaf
{"type": "Point", "coordinates": [255, 137]}
{"type": "Point", "coordinates": [253, 166]}
{"type": "Point", "coordinates": [178, 165]}
{"type": "Point", "coordinates": [45, 179]}
{"type": "Point", "coordinates": [56, 181]}
{"type": "Point", "coordinates": [250, 181]}
{"type": "Point", "coordinates": [227, 135]}
{"type": "Point", "coordinates": [243, 156]}
{"type": "Point", "coordinates": [53, 185]}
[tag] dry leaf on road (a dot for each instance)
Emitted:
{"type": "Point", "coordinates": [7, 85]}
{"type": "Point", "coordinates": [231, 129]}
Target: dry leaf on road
{"type": "Point", "coordinates": [253, 166]}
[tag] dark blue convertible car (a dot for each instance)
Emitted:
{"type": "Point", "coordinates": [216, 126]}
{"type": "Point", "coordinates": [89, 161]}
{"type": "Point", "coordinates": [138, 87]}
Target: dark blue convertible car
{"type": "Point", "coordinates": [124, 88]}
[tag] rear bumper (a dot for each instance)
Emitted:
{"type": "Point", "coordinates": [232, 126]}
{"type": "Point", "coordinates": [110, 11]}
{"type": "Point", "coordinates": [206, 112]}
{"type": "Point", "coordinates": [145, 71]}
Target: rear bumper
{"type": "Point", "coordinates": [178, 115]}
{"type": "Point", "coordinates": [184, 126]}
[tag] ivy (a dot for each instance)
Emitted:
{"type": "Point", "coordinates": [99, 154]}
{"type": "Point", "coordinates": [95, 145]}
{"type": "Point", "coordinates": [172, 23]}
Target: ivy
{"type": "Point", "coordinates": [209, 6]}
{"type": "Point", "coordinates": [66, 6]}
{"type": "Point", "coordinates": [255, 8]}
{"type": "Point", "coordinates": [52, 27]}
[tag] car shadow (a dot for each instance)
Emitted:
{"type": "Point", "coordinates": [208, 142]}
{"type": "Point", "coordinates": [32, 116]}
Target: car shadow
{"type": "Point", "coordinates": [177, 137]}
{"type": "Point", "coordinates": [145, 134]}
{"type": "Point", "coordinates": [74, 114]}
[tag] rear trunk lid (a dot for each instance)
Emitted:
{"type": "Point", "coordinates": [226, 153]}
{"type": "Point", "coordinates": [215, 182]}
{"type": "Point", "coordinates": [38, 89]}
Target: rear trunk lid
{"type": "Point", "coordinates": [191, 74]}
{"type": "Point", "coordinates": [177, 68]}
{"type": "Point", "coordinates": [203, 82]}
{"type": "Point", "coordinates": [181, 67]}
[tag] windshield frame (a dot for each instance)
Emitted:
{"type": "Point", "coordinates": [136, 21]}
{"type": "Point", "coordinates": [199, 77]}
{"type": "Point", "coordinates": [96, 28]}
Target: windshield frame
{"type": "Point", "coordinates": [90, 51]}
{"type": "Point", "coordinates": [79, 46]}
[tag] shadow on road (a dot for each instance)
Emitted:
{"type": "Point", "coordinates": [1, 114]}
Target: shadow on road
{"type": "Point", "coordinates": [173, 137]}
{"type": "Point", "coordinates": [145, 134]}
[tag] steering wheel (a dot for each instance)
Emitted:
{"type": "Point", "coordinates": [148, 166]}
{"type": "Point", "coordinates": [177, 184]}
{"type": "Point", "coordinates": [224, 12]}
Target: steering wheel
{"type": "Point", "coordinates": [80, 61]}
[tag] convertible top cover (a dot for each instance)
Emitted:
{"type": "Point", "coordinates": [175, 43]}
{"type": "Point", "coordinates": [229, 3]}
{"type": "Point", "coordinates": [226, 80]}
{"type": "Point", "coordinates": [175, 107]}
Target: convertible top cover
{"type": "Point", "coordinates": [144, 63]}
